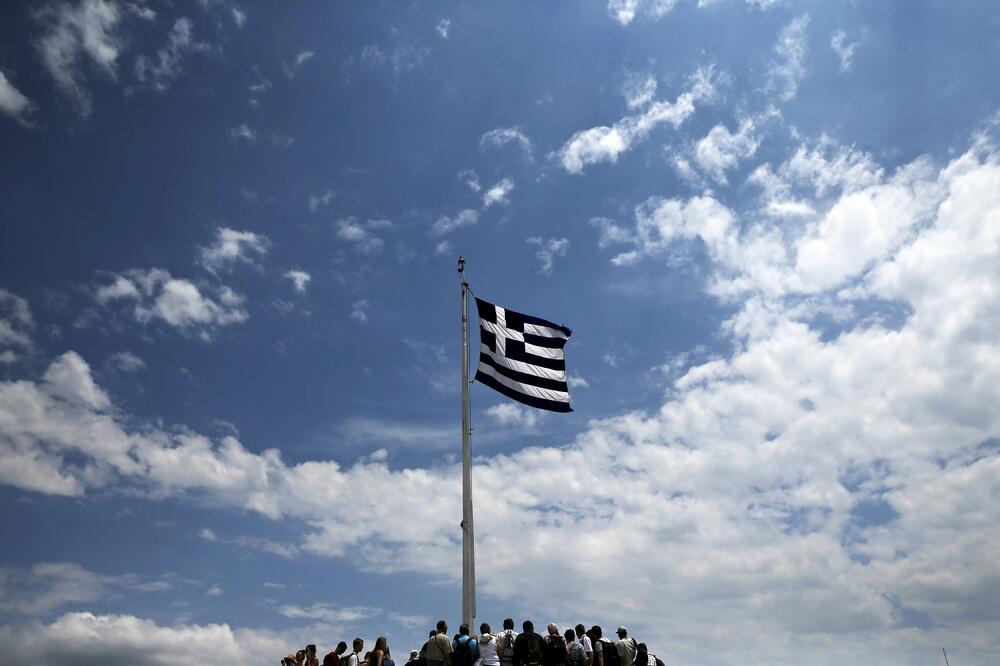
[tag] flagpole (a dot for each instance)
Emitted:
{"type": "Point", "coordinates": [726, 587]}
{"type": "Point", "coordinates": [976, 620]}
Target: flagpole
{"type": "Point", "coordinates": [468, 536]}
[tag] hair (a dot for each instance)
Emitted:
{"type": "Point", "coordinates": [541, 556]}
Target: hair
{"type": "Point", "coordinates": [381, 644]}
{"type": "Point", "coordinates": [442, 626]}
{"type": "Point", "coordinates": [528, 625]}
{"type": "Point", "coordinates": [623, 631]}
{"type": "Point", "coordinates": [358, 642]}
{"type": "Point", "coordinates": [508, 623]}
{"type": "Point", "coordinates": [580, 630]}
{"type": "Point", "coordinates": [596, 630]}
{"type": "Point", "coordinates": [641, 647]}
{"type": "Point", "coordinates": [484, 628]}
{"type": "Point", "coordinates": [463, 630]}
{"type": "Point", "coordinates": [311, 648]}
{"type": "Point", "coordinates": [570, 636]}
{"type": "Point", "coordinates": [553, 629]}
{"type": "Point", "coordinates": [341, 647]}
{"type": "Point", "coordinates": [432, 633]}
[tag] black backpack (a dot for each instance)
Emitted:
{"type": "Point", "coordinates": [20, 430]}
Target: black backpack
{"type": "Point", "coordinates": [463, 653]}
{"type": "Point", "coordinates": [555, 650]}
{"type": "Point", "coordinates": [534, 649]}
{"type": "Point", "coordinates": [610, 652]}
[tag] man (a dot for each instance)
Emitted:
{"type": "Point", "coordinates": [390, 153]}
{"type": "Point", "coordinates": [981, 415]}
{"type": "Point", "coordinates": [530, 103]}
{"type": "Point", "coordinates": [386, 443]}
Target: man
{"type": "Point", "coordinates": [528, 646]}
{"type": "Point", "coordinates": [505, 643]}
{"type": "Point", "coordinates": [588, 647]}
{"type": "Point", "coordinates": [414, 658]}
{"type": "Point", "coordinates": [333, 658]}
{"type": "Point", "coordinates": [354, 659]}
{"type": "Point", "coordinates": [626, 647]}
{"type": "Point", "coordinates": [555, 652]}
{"type": "Point", "coordinates": [439, 648]}
{"type": "Point", "coordinates": [465, 651]}
{"type": "Point", "coordinates": [604, 650]}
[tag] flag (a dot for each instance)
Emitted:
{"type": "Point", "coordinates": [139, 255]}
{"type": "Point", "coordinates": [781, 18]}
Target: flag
{"type": "Point", "coordinates": [522, 357]}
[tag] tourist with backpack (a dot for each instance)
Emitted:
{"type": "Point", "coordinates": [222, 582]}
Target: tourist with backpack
{"type": "Point", "coordinates": [626, 647]}
{"type": "Point", "coordinates": [439, 648]}
{"type": "Point", "coordinates": [465, 651]}
{"type": "Point", "coordinates": [588, 647]}
{"type": "Point", "coordinates": [555, 652]}
{"type": "Point", "coordinates": [604, 650]}
{"type": "Point", "coordinates": [489, 647]}
{"type": "Point", "coordinates": [577, 655]}
{"type": "Point", "coordinates": [506, 643]}
{"type": "Point", "coordinates": [528, 646]}
{"type": "Point", "coordinates": [643, 657]}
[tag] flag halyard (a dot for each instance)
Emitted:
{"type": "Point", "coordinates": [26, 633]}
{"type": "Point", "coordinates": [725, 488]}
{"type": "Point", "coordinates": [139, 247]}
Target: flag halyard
{"type": "Point", "coordinates": [523, 357]}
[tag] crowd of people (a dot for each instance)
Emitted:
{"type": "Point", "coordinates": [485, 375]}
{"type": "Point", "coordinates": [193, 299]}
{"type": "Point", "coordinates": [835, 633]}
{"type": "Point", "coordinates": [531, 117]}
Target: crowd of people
{"type": "Point", "coordinates": [575, 647]}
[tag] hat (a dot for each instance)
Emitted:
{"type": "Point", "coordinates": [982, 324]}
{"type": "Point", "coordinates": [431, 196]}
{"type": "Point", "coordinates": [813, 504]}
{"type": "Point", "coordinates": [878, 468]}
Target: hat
{"type": "Point", "coordinates": [414, 654]}
{"type": "Point", "coordinates": [622, 630]}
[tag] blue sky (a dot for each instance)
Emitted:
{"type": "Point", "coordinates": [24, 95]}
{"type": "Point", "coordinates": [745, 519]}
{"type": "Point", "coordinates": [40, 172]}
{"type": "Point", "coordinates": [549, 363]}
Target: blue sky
{"type": "Point", "coordinates": [229, 333]}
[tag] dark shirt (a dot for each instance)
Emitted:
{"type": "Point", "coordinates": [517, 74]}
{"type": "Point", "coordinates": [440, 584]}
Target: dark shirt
{"type": "Point", "coordinates": [522, 653]}
{"type": "Point", "coordinates": [332, 659]}
{"type": "Point", "coordinates": [473, 646]}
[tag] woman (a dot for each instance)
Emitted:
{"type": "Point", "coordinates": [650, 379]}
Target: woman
{"type": "Point", "coordinates": [488, 655]}
{"type": "Point", "coordinates": [381, 656]}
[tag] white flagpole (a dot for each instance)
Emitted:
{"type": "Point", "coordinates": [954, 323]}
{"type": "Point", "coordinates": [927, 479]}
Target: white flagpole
{"type": "Point", "coordinates": [468, 536]}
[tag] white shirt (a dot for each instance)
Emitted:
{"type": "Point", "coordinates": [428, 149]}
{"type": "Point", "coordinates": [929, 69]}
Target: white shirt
{"type": "Point", "coordinates": [488, 652]}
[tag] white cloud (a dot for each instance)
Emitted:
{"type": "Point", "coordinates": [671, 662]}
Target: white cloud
{"type": "Point", "coordinates": [639, 90]}
{"type": "Point", "coordinates": [16, 326]}
{"type": "Point", "coordinates": [239, 16]}
{"type": "Point", "coordinates": [442, 27]}
{"type": "Point", "coordinates": [156, 295]}
{"type": "Point", "coordinates": [844, 49]}
{"type": "Point", "coordinates": [359, 310]}
{"type": "Point", "coordinates": [316, 201]}
{"type": "Point", "coordinates": [360, 235]}
{"type": "Point", "coordinates": [498, 194]}
{"type": "Point", "coordinates": [501, 136]}
{"type": "Point", "coordinates": [511, 415]}
{"type": "Point", "coordinates": [445, 225]}
{"type": "Point", "coordinates": [47, 586]}
{"type": "Point", "coordinates": [301, 59]}
{"type": "Point", "coordinates": [607, 144]}
{"type": "Point", "coordinates": [243, 132]}
{"type": "Point", "coordinates": [577, 381]}
{"type": "Point", "coordinates": [300, 280]}
{"type": "Point", "coordinates": [721, 149]}
{"type": "Point", "coordinates": [444, 247]}
{"type": "Point", "coordinates": [548, 250]}
{"type": "Point", "coordinates": [126, 362]}
{"type": "Point", "coordinates": [786, 73]}
{"type": "Point", "coordinates": [471, 179]}
{"type": "Point", "coordinates": [231, 247]}
{"type": "Point", "coordinates": [14, 103]}
{"type": "Point", "coordinates": [88, 28]}
{"type": "Point", "coordinates": [161, 71]}
{"type": "Point", "coordinates": [624, 11]}
{"type": "Point", "coordinates": [399, 59]}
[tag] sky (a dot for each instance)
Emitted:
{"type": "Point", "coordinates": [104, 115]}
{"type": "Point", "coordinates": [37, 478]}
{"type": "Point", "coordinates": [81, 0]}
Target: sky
{"type": "Point", "coordinates": [230, 332]}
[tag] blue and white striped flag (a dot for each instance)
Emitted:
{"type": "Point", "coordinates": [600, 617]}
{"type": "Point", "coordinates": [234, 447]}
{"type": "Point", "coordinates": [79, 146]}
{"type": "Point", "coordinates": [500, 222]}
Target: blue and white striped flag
{"type": "Point", "coordinates": [522, 357]}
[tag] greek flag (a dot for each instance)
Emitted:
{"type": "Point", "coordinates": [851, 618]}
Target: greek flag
{"type": "Point", "coordinates": [522, 357]}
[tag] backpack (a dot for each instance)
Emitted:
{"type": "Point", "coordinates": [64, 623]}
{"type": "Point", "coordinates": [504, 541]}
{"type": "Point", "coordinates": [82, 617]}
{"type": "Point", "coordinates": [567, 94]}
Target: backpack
{"type": "Point", "coordinates": [577, 656]}
{"type": "Point", "coordinates": [463, 652]}
{"type": "Point", "coordinates": [534, 649]}
{"type": "Point", "coordinates": [555, 650]}
{"type": "Point", "coordinates": [506, 651]}
{"type": "Point", "coordinates": [610, 652]}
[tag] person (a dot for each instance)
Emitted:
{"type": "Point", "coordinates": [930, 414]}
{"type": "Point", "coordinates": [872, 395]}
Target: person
{"type": "Point", "coordinates": [300, 658]}
{"type": "Point", "coordinates": [506, 643]}
{"type": "Point", "coordinates": [626, 647]}
{"type": "Point", "coordinates": [528, 646]}
{"type": "Point", "coordinates": [643, 657]}
{"type": "Point", "coordinates": [439, 648]}
{"type": "Point", "coordinates": [333, 658]}
{"type": "Point", "coordinates": [354, 659]}
{"type": "Point", "coordinates": [577, 655]}
{"type": "Point", "coordinates": [588, 647]}
{"type": "Point", "coordinates": [310, 657]}
{"type": "Point", "coordinates": [414, 658]}
{"type": "Point", "coordinates": [488, 646]}
{"type": "Point", "coordinates": [465, 650]}
{"type": "Point", "coordinates": [380, 654]}
{"type": "Point", "coordinates": [423, 648]}
{"type": "Point", "coordinates": [554, 653]}
{"type": "Point", "coordinates": [604, 649]}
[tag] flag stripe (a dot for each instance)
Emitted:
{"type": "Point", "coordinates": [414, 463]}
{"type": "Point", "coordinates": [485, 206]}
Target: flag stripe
{"type": "Point", "coordinates": [552, 343]}
{"type": "Point", "coordinates": [502, 366]}
{"type": "Point", "coordinates": [544, 352]}
{"type": "Point", "coordinates": [526, 389]}
{"type": "Point", "coordinates": [515, 351]}
{"type": "Point", "coordinates": [519, 321]}
{"type": "Point", "coordinates": [497, 329]}
{"type": "Point", "coordinates": [531, 401]}
{"type": "Point", "coordinates": [520, 366]}
{"type": "Point", "coordinates": [543, 331]}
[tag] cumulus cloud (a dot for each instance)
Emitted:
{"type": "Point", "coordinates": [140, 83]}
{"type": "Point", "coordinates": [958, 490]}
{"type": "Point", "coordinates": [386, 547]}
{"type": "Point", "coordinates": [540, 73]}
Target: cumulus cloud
{"type": "Point", "coordinates": [607, 144]}
{"type": "Point", "coordinates": [446, 224]}
{"type": "Point", "coordinates": [360, 235]}
{"type": "Point", "coordinates": [786, 73]}
{"type": "Point", "coordinates": [243, 132]}
{"type": "Point", "coordinates": [844, 49]}
{"type": "Point", "coordinates": [443, 26]}
{"type": "Point", "coordinates": [548, 250]}
{"type": "Point", "coordinates": [639, 90]}
{"type": "Point", "coordinates": [14, 103]}
{"type": "Point", "coordinates": [72, 32]}
{"type": "Point", "coordinates": [161, 71]}
{"type": "Point", "coordinates": [317, 201]}
{"type": "Point", "coordinates": [155, 295]}
{"type": "Point", "coordinates": [126, 362]}
{"type": "Point", "coordinates": [291, 70]}
{"type": "Point", "coordinates": [300, 280]}
{"type": "Point", "coordinates": [232, 247]}
{"type": "Point", "coordinates": [509, 414]}
{"type": "Point", "coordinates": [497, 195]}
{"type": "Point", "coordinates": [721, 150]}
{"type": "Point", "coordinates": [16, 326]}
{"type": "Point", "coordinates": [47, 586]}
{"type": "Point", "coordinates": [501, 136]}
{"type": "Point", "coordinates": [624, 11]}
{"type": "Point", "coordinates": [359, 310]}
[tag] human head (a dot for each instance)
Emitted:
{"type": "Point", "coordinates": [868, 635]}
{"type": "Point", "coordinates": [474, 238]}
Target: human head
{"type": "Point", "coordinates": [381, 644]}
{"type": "Point", "coordinates": [463, 630]}
{"type": "Point", "coordinates": [341, 647]}
{"type": "Point", "coordinates": [484, 629]}
{"type": "Point", "coordinates": [569, 636]}
{"type": "Point", "coordinates": [442, 627]}
{"type": "Point", "coordinates": [580, 630]}
{"type": "Point", "coordinates": [528, 625]}
{"type": "Point", "coordinates": [311, 650]}
{"type": "Point", "coordinates": [553, 630]}
{"type": "Point", "coordinates": [359, 644]}
{"type": "Point", "coordinates": [508, 623]}
{"type": "Point", "coordinates": [596, 632]}
{"type": "Point", "coordinates": [622, 632]}
{"type": "Point", "coordinates": [641, 647]}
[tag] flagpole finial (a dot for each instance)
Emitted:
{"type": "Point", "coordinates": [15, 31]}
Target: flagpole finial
{"type": "Point", "coordinates": [461, 264]}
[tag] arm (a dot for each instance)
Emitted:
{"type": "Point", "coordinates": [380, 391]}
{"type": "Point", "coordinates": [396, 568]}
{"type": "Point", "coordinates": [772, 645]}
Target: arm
{"type": "Point", "coordinates": [376, 658]}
